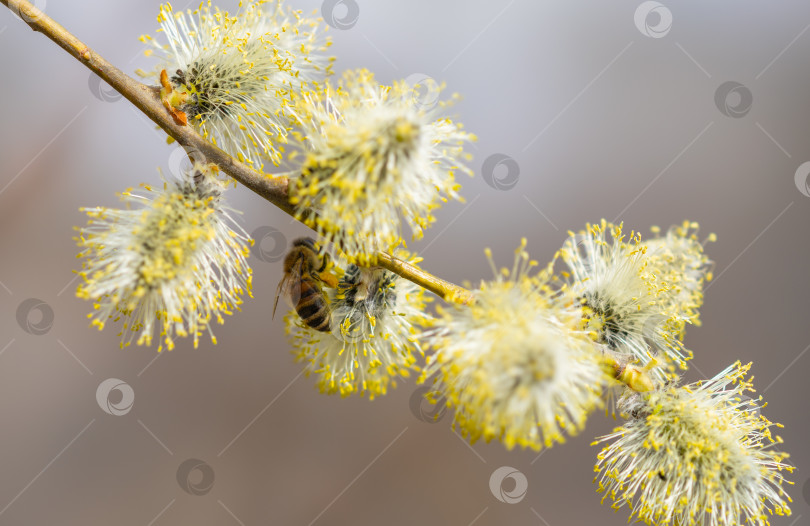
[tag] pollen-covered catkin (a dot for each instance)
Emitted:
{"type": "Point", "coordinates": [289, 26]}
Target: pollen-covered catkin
{"type": "Point", "coordinates": [696, 455]}
{"type": "Point", "coordinates": [373, 338]}
{"type": "Point", "coordinates": [239, 75]}
{"type": "Point", "coordinates": [624, 304]}
{"type": "Point", "coordinates": [514, 365]}
{"type": "Point", "coordinates": [374, 159]}
{"type": "Point", "coordinates": [175, 262]}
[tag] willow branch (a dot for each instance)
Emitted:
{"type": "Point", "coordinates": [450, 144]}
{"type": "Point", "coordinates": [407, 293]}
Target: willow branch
{"type": "Point", "coordinates": [147, 99]}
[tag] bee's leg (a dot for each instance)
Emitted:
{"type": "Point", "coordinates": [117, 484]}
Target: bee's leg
{"type": "Point", "coordinates": [329, 279]}
{"type": "Point", "coordinates": [326, 262]}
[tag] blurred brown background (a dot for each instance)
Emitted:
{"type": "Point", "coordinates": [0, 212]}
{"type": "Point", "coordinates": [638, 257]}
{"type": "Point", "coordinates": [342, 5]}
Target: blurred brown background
{"type": "Point", "coordinates": [608, 109]}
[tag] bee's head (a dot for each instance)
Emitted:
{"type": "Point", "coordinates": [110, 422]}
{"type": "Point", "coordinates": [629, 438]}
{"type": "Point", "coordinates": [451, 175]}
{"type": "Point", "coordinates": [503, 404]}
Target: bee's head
{"type": "Point", "coordinates": [306, 242]}
{"type": "Point", "coordinates": [312, 254]}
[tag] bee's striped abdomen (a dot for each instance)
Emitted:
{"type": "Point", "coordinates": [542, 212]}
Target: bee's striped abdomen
{"type": "Point", "coordinates": [312, 307]}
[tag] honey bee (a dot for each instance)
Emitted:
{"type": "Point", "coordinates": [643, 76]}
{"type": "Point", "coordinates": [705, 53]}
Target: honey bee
{"type": "Point", "coordinates": [306, 269]}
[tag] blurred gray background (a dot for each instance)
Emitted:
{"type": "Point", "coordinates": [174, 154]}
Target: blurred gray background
{"type": "Point", "coordinates": [619, 110]}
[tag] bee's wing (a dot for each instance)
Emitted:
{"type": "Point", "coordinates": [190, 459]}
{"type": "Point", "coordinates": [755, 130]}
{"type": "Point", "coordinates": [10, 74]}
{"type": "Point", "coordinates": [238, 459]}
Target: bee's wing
{"type": "Point", "coordinates": [278, 293]}
{"type": "Point", "coordinates": [290, 286]}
